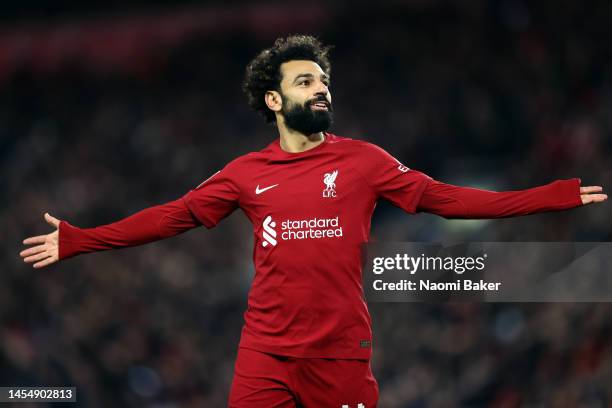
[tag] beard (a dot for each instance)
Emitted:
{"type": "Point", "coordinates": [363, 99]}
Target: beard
{"type": "Point", "coordinates": [303, 119]}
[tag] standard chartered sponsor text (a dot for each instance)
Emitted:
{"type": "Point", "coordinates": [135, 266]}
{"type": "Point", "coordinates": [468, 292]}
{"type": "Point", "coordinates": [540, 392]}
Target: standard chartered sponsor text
{"type": "Point", "coordinates": [313, 228]}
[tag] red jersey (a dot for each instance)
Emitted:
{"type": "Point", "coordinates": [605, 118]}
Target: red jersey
{"type": "Point", "coordinates": [311, 213]}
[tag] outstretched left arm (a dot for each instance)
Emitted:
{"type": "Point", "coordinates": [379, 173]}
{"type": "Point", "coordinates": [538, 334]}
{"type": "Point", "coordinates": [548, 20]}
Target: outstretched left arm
{"type": "Point", "coordinates": [451, 201]}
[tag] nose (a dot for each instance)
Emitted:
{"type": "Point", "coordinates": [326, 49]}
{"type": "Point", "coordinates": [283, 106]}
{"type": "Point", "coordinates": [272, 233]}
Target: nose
{"type": "Point", "coordinates": [322, 89]}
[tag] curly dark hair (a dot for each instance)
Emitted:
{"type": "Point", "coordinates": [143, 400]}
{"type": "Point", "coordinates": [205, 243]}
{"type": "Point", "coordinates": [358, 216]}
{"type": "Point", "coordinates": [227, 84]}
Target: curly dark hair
{"type": "Point", "coordinates": [263, 72]}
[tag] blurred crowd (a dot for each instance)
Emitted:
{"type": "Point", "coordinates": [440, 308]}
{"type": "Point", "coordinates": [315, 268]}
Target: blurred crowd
{"type": "Point", "coordinates": [501, 95]}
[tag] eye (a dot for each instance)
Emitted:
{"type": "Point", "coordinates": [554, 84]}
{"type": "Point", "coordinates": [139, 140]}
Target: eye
{"type": "Point", "coordinates": [304, 82]}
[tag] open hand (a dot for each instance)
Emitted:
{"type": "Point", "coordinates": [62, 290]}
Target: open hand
{"type": "Point", "coordinates": [46, 250]}
{"type": "Point", "coordinates": [592, 194]}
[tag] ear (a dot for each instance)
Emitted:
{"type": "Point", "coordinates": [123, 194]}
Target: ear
{"type": "Point", "coordinates": [274, 100]}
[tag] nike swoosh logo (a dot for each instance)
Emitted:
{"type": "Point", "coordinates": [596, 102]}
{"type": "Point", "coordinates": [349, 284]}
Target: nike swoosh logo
{"type": "Point", "coordinates": [261, 190]}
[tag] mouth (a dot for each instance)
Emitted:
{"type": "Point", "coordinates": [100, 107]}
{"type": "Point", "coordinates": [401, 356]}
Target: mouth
{"type": "Point", "coordinates": [320, 105]}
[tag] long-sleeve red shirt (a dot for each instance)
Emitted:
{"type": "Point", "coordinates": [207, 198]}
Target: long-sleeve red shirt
{"type": "Point", "coordinates": [311, 212]}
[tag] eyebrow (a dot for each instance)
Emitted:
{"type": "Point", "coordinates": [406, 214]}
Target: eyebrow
{"type": "Point", "coordinates": [309, 75]}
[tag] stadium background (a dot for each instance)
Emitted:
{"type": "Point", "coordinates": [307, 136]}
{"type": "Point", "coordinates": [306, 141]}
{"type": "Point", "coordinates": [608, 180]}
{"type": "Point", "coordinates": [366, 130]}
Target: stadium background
{"type": "Point", "coordinates": [110, 107]}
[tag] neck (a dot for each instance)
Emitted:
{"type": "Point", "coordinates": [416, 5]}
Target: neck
{"type": "Point", "coordinates": [292, 141]}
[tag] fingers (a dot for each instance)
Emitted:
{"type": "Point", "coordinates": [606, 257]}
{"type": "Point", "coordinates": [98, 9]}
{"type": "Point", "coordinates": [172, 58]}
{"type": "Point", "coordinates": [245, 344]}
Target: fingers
{"type": "Point", "coordinates": [37, 257]}
{"type": "Point", "coordinates": [41, 254]}
{"type": "Point", "coordinates": [590, 194]}
{"type": "Point", "coordinates": [591, 189]}
{"type": "Point", "coordinates": [45, 262]}
{"type": "Point", "coordinates": [593, 198]}
{"type": "Point", "coordinates": [33, 251]}
{"type": "Point", "coordinates": [40, 239]}
{"type": "Point", "coordinates": [51, 220]}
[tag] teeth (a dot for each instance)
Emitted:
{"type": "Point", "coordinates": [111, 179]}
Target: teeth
{"type": "Point", "coordinates": [321, 105]}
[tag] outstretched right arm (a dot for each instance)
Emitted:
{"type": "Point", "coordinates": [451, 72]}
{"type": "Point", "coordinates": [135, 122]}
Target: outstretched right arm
{"type": "Point", "coordinates": [151, 224]}
{"type": "Point", "coordinates": [211, 201]}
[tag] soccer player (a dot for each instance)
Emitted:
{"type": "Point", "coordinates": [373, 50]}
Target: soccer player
{"type": "Point", "coordinates": [310, 195]}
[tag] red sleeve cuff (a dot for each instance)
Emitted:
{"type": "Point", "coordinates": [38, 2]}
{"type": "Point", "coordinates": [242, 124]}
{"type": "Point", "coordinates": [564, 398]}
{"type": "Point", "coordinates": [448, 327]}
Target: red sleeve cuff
{"type": "Point", "coordinates": [569, 192]}
{"type": "Point", "coordinates": [68, 235]}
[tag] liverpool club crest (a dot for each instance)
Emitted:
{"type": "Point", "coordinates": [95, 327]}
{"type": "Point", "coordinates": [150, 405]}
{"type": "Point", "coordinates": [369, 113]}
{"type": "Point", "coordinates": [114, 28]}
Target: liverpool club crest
{"type": "Point", "coordinates": [330, 184]}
